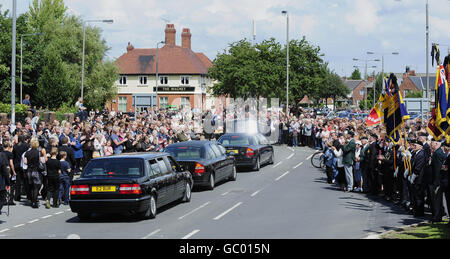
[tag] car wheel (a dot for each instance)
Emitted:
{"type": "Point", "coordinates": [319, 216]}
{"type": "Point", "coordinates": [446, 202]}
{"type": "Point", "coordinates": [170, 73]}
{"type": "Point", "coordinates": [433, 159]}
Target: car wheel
{"type": "Point", "coordinates": [83, 216]}
{"type": "Point", "coordinates": [211, 182]}
{"type": "Point", "coordinates": [150, 213]}
{"type": "Point", "coordinates": [257, 165]}
{"type": "Point", "coordinates": [233, 175]}
{"type": "Point", "coordinates": [187, 193]}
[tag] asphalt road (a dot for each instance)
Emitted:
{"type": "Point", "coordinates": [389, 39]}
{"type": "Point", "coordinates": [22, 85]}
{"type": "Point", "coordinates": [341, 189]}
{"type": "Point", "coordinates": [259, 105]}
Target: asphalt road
{"type": "Point", "coordinates": [289, 199]}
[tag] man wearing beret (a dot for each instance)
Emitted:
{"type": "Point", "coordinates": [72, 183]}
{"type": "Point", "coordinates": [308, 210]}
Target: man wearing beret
{"type": "Point", "coordinates": [416, 178]}
{"type": "Point", "coordinates": [437, 161]}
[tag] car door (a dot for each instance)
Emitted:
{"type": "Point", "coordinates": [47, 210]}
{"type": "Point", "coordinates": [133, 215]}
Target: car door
{"type": "Point", "coordinates": [169, 179]}
{"type": "Point", "coordinates": [179, 180]}
{"type": "Point", "coordinates": [220, 162]}
{"type": "Point", "coordinates": [262, 145]}
{"type": "Point", "coordinates": [157, 180]}
{"type": "Point", "coordinates": [228, 160]}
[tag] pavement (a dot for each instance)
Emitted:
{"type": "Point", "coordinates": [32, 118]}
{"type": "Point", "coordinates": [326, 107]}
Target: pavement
{"type": "Point", "coordinates": [287, 200]}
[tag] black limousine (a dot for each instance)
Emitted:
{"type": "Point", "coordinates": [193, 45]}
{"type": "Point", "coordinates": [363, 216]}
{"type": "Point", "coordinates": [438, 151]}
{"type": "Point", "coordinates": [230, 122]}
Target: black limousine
{"type": "Point", "coordinates": [249, 149]}
{"type": "Point", "coordinates": [136, 183]}
{"type": "Point", "coordinates": [208, 161]}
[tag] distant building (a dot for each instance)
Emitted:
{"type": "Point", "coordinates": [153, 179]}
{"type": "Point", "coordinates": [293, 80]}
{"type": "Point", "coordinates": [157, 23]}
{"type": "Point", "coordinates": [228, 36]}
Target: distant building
{"type": "Point", "coordinates": [182, 75]}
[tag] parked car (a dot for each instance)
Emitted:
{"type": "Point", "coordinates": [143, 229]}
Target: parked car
{"type": "Point", "coordinates": [248, 149]}
{"type": "Point", "coordinates": [136, 183]}
{"type": "Point", "coordinates": [207, 161]}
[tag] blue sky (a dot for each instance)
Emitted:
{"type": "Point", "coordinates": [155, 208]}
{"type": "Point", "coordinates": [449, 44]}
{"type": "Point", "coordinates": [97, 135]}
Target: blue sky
{"type": "Point", "coordinates": [344, 29]}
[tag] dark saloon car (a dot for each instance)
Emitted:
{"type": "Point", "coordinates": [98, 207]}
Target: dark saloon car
{"type": "Point", "coordinates": [207, 161]}
{"type": "Point", "coordinates": [136, 183]}
{"type": "Point", "coordinates": [248, 149]}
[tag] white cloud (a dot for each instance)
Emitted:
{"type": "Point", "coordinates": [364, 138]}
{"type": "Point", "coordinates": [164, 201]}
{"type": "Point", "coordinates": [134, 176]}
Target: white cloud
{"type": "Point", "coordinates": [363, 17]}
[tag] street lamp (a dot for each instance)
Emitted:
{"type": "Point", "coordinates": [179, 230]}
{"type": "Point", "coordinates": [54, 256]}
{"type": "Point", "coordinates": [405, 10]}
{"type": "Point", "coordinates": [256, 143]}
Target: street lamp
{"type": "Point", "coordinates": [365, 67]}
{"type": "Point", "coordinates": [21, 58]}
{"type": "Point", "coordinates": [84, 43]}
{"type": "Point", "coordinates": [156, 65]}
{"type": "Point", "coordinates": [382, 68]}
{"type": "Point", "coordinates": [13, 65]}
{"type": "Point", "coordinates": [287, 61]}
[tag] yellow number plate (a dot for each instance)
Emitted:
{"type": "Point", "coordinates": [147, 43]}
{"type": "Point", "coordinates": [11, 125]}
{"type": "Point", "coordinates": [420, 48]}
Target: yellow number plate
{"type": "Point", "coordinates": [234, 151]}
{"type": "Point", "coordinates": [103, 188]}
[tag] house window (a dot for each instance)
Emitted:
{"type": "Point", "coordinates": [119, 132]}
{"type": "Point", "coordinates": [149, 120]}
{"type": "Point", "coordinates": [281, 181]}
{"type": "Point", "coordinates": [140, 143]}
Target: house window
{"type": "Point", "coordinates": [361, 92]}
{"type": "Point", "coordinates": [122, 104]}
{"type": "Point", "coordinates": [185, 80]}
{"type": "Point", "coordinates": [163, 102]}
{"type": "Point", "coordinates": [185, 102]}
{"type": "Point", "coordinates": [143, 80]}
{"type": "Point", "coordinates": [122, 80]}
{"type": "Point", "coordinates": [164, 80]}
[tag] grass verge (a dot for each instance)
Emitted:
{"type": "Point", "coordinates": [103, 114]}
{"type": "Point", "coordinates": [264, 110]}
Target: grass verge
{"type": "Point", "coordinates": [439, 230]}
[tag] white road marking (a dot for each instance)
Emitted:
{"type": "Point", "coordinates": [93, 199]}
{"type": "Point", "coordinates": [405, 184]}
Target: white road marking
{"type": "Point", "coordinates": [281, 176]}
{"type": "Point", "coordinates": [289, 157]}
{"type": "Point", "coordinates": [20, 225]}
{"type": "Point", "coordinates": [292, 149]}
{"type": "Point", "coordinates": [301, 163]}
{"type": "Point", "coordinates": [73, 236]}
{"type": "Point", "coordinates": [279, 163]}
{"type": "Point", "coordinates": [46, 217]}
{"type": "Point", "coordinates": [57, 213]}
{"type": "Point", "coordinates": [253, 194]}
{"type": "Point", "coordinates": [308, 158]}
{"type": "Point", "coordinates": [151, 234]}
{"type": "Point", "coordinates": [194, 210]}
{"type": "Point", "coordinates": [225, 193]}
{"type": "Point", "coordinates": [35, 220]}
{"type": "Point", "coordinates": [191, 234]}
{"type": "Point", "coordinates": [227, 211]}
{"type": "Point", "coordinates": [4, 230]}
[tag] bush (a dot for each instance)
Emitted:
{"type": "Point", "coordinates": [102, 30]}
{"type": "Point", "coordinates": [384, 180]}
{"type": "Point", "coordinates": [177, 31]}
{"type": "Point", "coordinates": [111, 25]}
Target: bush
{"type": "Point", "coordinates": [21, 109]}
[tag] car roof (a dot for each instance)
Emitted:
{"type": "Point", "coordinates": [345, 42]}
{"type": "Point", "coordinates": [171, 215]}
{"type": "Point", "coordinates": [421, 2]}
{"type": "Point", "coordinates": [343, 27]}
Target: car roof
{"type": "Point", "coordinates": [194, 143]}
{"type": "Point", "coordinates": [241, 134]}
{"type": "Point", "coordinates": [142, 155]}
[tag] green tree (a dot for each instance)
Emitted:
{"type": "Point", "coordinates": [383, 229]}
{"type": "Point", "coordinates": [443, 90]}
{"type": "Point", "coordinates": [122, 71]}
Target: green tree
{"type": "Point", "coordinates": [333, 87]}
{"type": "Point", "coordinates": [52, 62]}
{"type": "Point", "coordinates": [356, 75]}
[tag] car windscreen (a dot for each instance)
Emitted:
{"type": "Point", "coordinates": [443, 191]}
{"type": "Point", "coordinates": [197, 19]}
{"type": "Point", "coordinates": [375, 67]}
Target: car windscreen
{"type": "Point", "coordinates": [185, 152]}
{"type": "Point", "coordinates": [114, 168]}
{"type": "Point", "coordinates": [231, 140]}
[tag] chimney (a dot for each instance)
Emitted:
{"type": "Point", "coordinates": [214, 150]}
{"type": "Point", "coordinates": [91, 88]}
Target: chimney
{"type": "Point", "coordinates": [170, 34]}
{"type": "Point", "coordinates": [186, 38]}
{"type": "Point", "coordinates": [412, 73]}
{"type": "Point", "coordinates": [130, 47]}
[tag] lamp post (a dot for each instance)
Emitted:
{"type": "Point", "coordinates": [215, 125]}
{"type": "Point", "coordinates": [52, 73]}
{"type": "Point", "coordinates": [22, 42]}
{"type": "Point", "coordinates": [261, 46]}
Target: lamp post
{"type": "Point", "coordinates": [84, 43]}
{"type": "Point", "coordinates": [157, 76]}
{"type": "Point", "coordinates": [382, 69]}
{"type": "Point", "coordinates": [13, 65]}
{"type": "Point", "coordinates": [21, 58]}
{"type": "Point", "coordinates": [287, 61]}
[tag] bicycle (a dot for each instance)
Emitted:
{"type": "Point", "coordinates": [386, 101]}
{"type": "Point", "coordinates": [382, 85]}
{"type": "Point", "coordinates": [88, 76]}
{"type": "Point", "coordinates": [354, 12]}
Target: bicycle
{"type": "Point", "coordinates": [317, 160]}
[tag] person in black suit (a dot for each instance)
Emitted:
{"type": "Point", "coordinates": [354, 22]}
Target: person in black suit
{"type": "Point", "coordinates": [440, 186]}
{"type": "Point", "coordinates": [417, 179]}
{"type": "Point", "coordinates": [4, 180]}
{"type": "Point", "coordinates": [21, 183]}
{"type": "Point", "coordinates": [371, 159]}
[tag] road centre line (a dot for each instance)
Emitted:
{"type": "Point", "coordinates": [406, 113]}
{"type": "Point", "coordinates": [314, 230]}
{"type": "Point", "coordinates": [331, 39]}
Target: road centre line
{"type": "Point", "coordinates": [308, 158]}
{"type": "Point", "coordinates": [192, 211]}
{"type": "Point", "coordinates": [227, 211]}
{"type": "Point", "coordinates": [225, 193]}
{"type": "Point", "coordinates": [45, 217]}
{"type": "Point", "coordinates": [4, 230]}
{"type": "Point", "coordinates": [253, 194]}
{"type": "Point", "coordinates": [299, 164]}
{"type": "Point", "coordinates": [279, 163]}
{"type": "Point", "coordinates": [20, 225]}
{"type": "Point", "coordinates": [279, 177]}
{"type": "Point", "coordinates": [289, 157]}
{"type": "Point", "coordinates": [191, 234]}
{"type": "Point", "coordinates": [151, 234]}
{"type": "Point", "coordinates": [35, 220]}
